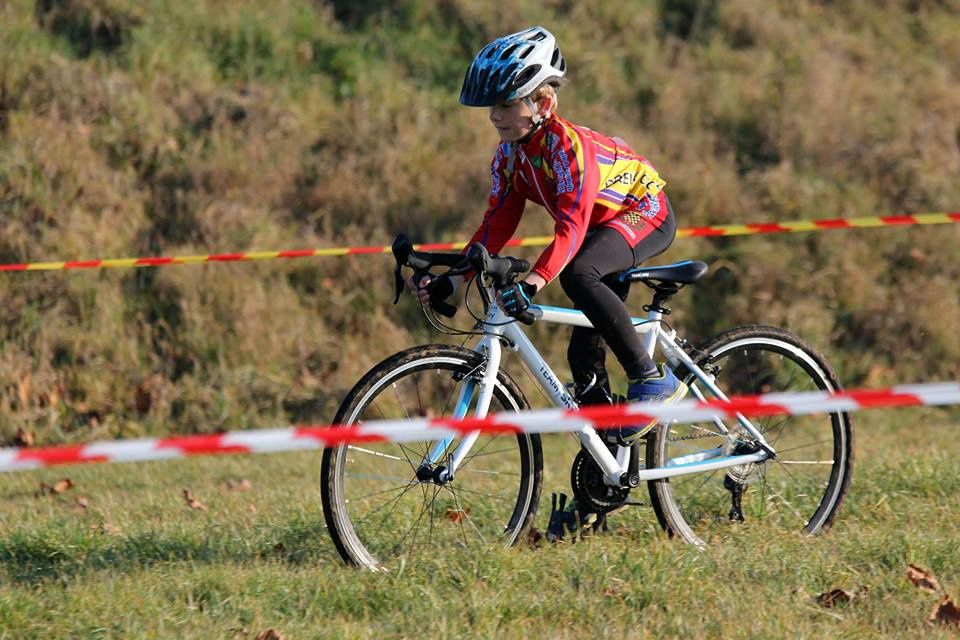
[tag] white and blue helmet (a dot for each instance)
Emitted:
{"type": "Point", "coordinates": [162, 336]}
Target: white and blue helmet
{"type": "Point", "coordinates": [512, 67]}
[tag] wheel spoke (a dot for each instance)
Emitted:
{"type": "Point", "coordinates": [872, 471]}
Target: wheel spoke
{"type": "Point", "coordinates": [375, 512]}
{"type": "Point", "coordinates": [806, 480]}
{"type": "Point", "coordinates": [373, 453]}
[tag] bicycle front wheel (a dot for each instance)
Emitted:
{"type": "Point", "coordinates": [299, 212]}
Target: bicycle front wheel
{"type": "Point", "coordinates": [801, 488]}
{"type": "Point", "coordinates": [377, 509]}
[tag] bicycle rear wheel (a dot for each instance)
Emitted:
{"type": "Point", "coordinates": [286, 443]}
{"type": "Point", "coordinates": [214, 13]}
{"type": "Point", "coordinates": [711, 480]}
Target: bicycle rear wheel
{"type": "Point", "coordinates": [801, 488]}
{"type": "Point", "coordinates": [377, 510]}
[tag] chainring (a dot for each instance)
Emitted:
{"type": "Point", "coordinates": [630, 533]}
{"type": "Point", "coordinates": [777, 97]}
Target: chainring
{"type": "Point", "coordinates": [591, 492]}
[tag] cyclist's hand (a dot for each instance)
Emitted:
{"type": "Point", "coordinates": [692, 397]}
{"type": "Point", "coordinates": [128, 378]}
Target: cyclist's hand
{"type": "Point", "coordinates": [516, 298]}
{"type": "Point", "coordinates": [433, 290]}
{"type": "Point", "coordinates": [420, 289]}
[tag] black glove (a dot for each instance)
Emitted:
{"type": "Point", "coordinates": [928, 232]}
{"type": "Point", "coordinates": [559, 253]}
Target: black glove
{"type": "Point", "coordinates": [516, 298]}
{"type": "Point", "coordinates": [441, 288]}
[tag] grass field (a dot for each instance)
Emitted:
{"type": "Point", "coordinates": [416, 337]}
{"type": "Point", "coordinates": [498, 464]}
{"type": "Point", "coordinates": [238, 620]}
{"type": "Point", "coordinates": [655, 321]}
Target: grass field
{"type": "Point", "coordinates": [137, 561]}
{"type": "Point", "coordinates": [161, 127]}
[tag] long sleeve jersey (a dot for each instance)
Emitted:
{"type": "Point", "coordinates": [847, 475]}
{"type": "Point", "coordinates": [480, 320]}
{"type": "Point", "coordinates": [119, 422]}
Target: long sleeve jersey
{"type": "Point", "coordinates": [582, 178]}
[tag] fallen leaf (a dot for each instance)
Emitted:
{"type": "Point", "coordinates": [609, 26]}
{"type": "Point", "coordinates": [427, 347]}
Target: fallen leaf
{"type": "Point", "coordinates": [240, 632]}
{"type": "Point", "coordinates": [834, 597]}
{"type": "Point", "coordinates": [837, 597]}
{"type": "Point", "coordinates": [192, 502]}
{"type": "Point", "coordinates": [945, 612]}
{"type": "Point", "coordinates": [23, 438]}
{"type": "Point", "coordinates": [456, 515]}
{"type": "Point", "coordinates": [922, 579]}
{"type": "Point", "coordinates": [82, 503]}
{"type": "Point", "coordinates": [252, 508]}
{"type": "Point", "coordinates": [62, 485]}
{"type": "Point", "coordinates": [269, 634]}
{"type": "Point", "coordinates": [237, 485]}
{"type": "Point", "coordinates": [56, 488]}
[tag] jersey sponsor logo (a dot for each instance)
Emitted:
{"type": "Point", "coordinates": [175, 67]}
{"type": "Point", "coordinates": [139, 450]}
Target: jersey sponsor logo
{"type": "Point", "coordinates": [625, 227]}
{"type": "Point", "coordinates": [495, 183]}
{"type": "Point", "coordinates": [648, 206]}
{"type": "Point", "coordinates": [561, 172]}
{"type": "Point", "coordinates": [649, 180]}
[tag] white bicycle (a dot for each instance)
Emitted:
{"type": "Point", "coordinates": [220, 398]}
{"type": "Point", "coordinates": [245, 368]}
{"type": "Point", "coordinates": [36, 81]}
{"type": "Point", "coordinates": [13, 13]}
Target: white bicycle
{"type": "Point", "coordinates": [384, 502]}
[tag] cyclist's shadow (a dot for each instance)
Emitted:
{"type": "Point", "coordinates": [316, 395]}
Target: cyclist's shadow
{"type": "Point", "coordinates": [29, 558]}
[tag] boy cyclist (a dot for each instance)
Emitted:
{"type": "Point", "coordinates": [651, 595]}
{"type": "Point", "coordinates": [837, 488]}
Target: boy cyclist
{"type": "Point", "coordinates": [609, 209]}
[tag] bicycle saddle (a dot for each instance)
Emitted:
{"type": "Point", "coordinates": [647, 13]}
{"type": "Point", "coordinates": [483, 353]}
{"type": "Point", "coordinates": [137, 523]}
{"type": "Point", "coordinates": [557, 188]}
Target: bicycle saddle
{"type": "Point", "coordinates": [684, 272]}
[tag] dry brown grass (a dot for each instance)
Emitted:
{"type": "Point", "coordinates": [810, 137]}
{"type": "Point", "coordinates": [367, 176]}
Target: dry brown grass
{"type": "Point", "coordinates": [212, 127]}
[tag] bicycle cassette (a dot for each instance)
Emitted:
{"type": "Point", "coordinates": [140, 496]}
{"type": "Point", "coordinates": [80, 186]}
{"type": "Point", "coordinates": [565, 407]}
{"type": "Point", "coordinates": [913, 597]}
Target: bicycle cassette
{"type": "Point", "coordinates": [591, 492]}
{"type": "Point", "coordinates": [743, 474]}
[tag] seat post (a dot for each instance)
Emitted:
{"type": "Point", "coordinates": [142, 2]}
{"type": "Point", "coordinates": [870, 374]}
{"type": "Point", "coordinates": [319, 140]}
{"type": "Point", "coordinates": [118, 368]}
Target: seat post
{"type": "Point", "coordinates": [661, 295]}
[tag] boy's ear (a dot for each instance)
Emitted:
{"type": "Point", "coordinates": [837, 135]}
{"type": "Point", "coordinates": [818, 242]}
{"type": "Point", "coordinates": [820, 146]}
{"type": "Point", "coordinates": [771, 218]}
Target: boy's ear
{"type": "Point", "coordinates": [546, 105]}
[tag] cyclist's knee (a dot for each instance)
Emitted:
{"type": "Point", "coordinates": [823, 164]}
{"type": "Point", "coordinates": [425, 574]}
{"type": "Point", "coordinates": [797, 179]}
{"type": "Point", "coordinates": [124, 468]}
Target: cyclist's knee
{"type": "Point", "coordinates": [577, 280]}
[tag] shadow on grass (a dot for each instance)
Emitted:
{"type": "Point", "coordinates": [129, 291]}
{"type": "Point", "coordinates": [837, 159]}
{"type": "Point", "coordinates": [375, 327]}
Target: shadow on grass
{"type": "Point", "coordinates": [43, 555]}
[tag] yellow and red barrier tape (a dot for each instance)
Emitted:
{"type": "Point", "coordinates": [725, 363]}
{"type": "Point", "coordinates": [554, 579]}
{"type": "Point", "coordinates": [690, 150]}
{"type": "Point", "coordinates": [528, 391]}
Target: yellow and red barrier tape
{"type": "Point", "coordinates": [532, 241]}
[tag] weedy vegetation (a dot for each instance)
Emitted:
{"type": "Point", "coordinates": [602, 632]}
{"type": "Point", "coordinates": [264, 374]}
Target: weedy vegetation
{"type": "Point", "coordinates": [157, 128]}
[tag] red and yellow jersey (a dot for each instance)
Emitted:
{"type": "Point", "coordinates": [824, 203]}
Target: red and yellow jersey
{"type": "Point", "coordinates": [582, 178]}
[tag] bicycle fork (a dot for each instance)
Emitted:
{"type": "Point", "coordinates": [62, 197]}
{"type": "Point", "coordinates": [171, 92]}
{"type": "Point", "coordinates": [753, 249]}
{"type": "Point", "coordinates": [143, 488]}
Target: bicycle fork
{"type": "Point", "coordinates": [429, 471]}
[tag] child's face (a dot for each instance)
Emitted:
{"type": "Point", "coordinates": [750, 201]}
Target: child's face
{"type": "Point", "coordinates": [513, 120]}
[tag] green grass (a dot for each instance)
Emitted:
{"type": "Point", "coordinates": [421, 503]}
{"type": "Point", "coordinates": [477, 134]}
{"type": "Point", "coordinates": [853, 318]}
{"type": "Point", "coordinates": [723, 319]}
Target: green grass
{"type": "Point", "coordinates": [137, 562]}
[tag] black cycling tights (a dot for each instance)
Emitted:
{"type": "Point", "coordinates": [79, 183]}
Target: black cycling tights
{"type": "Point", "coordinates": [590, 283]}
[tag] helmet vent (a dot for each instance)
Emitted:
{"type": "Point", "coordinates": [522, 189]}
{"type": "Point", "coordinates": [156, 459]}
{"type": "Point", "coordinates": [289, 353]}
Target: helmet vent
{"type": "Point", "coordinates": [526, 75]}
{"type": "Point", "coordinates": [508, 51]}
{"type": "Point", "coordinates": [538, 36]}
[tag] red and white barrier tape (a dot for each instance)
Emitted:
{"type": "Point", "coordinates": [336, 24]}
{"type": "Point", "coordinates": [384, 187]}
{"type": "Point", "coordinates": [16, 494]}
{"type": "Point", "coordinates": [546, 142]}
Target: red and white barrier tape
{"type": "Point", "coordinates": [541, 421]}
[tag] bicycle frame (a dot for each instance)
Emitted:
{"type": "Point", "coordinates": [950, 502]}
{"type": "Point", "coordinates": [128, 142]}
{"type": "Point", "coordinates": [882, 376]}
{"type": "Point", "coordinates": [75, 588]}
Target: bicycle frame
{"type": "Point", "coordinates": [500, 329]}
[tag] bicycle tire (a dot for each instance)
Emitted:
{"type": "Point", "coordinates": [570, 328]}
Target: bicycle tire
{"type": "Point", "coordinates": [495, 502]}
{"type": "Point", "coordinates": [808, 480]}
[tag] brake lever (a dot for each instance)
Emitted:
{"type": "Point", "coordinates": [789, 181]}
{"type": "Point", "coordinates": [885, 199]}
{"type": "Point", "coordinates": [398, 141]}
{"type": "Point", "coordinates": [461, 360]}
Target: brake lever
{"type": "Point", "coordinates": [398, 283]}
{"type": "Point", "coordinates": [402, 248]}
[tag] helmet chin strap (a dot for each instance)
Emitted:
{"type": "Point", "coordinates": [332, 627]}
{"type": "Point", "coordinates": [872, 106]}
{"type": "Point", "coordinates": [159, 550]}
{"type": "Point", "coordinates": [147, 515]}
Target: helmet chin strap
{"type": "Point", "coordinates": [537, 119]}
{"type": "Point", "coordinates": [535, 111]}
